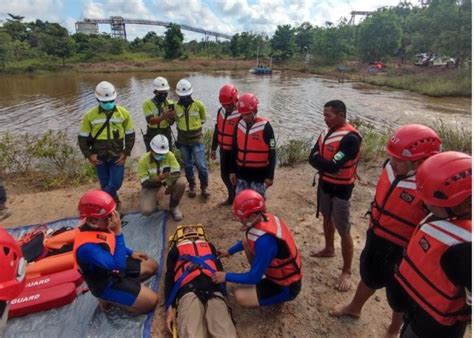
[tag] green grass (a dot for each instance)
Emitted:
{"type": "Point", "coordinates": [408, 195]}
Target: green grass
{"type": "Point", "coordinates": [457, 138]}
{"type": "Point", "coordinates": [442, 82]}
{"type": "Point", "coordinates": [293, 151]}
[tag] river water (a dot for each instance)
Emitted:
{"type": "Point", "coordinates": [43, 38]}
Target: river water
{"type": "Point", "coordinates": [292, 101]}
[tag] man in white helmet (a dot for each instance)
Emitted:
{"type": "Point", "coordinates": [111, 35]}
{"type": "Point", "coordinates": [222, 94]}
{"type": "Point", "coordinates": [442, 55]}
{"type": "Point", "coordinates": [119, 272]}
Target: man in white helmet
{"type": "Point", "coordinates": [106, 138]}
{"type": "Point", "coordinates": [159, 112]}
{"type": "Point", "coordinates": [190, 116]}
{"type": "Point", "coordinates": [159, 173]}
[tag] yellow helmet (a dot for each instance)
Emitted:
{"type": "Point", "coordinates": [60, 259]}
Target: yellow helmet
{"type": "Point", "coordinates": [193, 232]}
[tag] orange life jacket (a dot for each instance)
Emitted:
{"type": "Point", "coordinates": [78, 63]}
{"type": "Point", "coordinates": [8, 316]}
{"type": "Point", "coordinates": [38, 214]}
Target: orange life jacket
{"type": "Point", "coordinates": [329, 143]}
{"type": "Point", "coordinates": [252, 151]}
{"type": "Point", "coordinates": [93, 237]}
{"type": "Point", "coordinates": [226, 124]}
{"type": "Point", "coordinates": [197, 248]}
{"type": "Point", "coordinates": [283, 271]}
{"type": "Point", "coordinates": [422, 277]}
{"type": "Point", "coordinates": [396, 209]}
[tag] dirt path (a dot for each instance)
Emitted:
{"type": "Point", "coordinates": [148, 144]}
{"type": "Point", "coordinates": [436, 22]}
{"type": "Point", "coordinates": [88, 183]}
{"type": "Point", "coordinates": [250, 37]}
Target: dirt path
{"type": "Point", "coordinates": [293, 199]}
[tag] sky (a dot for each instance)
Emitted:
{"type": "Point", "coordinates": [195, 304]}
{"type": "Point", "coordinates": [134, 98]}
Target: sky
{"type": "Point", "coordinates": [228, 17]}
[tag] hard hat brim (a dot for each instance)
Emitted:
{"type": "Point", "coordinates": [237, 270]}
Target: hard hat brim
{"type": "Point", "coordinates": [106, 98]}
{"type": "Point", "coordinates": [161, 89]}
{"type": "Point", "coordinates": [185, 93]}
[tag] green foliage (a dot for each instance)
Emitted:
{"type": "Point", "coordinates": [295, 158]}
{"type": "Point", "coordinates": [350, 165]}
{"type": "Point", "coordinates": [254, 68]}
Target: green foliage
{"type": "Point", "coordinates": [46, 162]}
{"type": "Point", "coordinates": [457, 138]}
{"type": "Point", "coordinates": [442, 82]}
{"type": "Point", "coordinates": [379, 36]}
{"type": "Point", "coordinates": [373, 141]}
{"type": "Point", "coordinates": [173, 42]}
{"type": "Point", "coordinates": [293, 151]}
{"type": "Point", "coordinates": [283, 42]}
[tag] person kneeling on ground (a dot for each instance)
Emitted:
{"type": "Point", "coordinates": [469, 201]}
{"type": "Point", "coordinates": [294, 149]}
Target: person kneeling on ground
{"type": "Point", "coordinates": [201, 306]}
{"type": "Point", "coordinates": [159, 173]}
{"type": "Point", "coordinates": [271, 250]}
{"type": "Point", "coordinates": [111, 270]}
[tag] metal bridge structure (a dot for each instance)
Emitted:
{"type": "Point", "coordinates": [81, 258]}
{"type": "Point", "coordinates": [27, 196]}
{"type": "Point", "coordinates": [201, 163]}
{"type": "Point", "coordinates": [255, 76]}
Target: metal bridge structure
{"type": "Point", "coordinates": [356, 13]}
{"type": "Point", "coordinates": [117, 25]}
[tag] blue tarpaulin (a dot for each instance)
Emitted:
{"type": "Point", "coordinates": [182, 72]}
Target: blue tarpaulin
{"type": "Point", "coordinates": [83, 318]}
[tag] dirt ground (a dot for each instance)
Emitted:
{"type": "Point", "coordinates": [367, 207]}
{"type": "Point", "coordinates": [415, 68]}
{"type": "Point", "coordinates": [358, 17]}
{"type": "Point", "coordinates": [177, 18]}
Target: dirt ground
{"type": "Point", "coordinates": [293, 199]}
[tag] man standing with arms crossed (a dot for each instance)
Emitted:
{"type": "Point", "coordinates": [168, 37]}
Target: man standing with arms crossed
{"type": "Point", "coordinates": [335, 156]}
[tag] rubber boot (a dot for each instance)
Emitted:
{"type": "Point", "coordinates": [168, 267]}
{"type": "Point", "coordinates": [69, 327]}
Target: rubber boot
{"type": "Point", "coordinates": [176, 214]}
{"type": "Point", "coordinates": [192, 187]}
{"type": "Point", "coordinates": [204, 190]}
{"type": "Point", "coordinates": [4, 212]}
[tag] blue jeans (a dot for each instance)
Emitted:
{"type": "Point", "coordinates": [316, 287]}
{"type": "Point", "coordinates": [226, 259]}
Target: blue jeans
{"type": "Point", "coordinates": [110, 176]}
{"type": "Point", "coordinates": [257, 186]}
{"type": "Point", "coordinates": [194, 153]}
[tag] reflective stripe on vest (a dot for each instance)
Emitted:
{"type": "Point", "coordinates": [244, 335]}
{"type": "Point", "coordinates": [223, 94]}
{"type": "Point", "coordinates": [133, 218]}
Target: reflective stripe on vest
{"type": "Point", "coordinates": [329, 144]}
{"type": "Point", "coordinates": [197, 248]}
{"type": "Point", "coordinates": [422, 277]}
{"type": "Point", "coordinates": [252, 151]}
{"type": "Point", "coordinates": [396, 209]}
{"type": "Point", "coordinates": [282, 271]}
{"type": "Point", "coordinates": [225, 128]}
{"type": "Point", "coordinates": [93, 237]}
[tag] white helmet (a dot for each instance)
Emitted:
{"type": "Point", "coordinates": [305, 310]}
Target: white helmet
{"type": "Point", "coordinates": [105, 91]}
{"type": "Point", "coordinates": [160, 84]}
{"type": "Point", "coordinates": [159, 144]}
{"type": "Point", "coordinates": [184, 88]}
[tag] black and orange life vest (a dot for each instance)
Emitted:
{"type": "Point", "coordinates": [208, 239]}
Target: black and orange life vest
{"type": "Point", "coordinates": [282, 271]}
{"type": "Point", "coordinates": [252, 151]}
{"type": "Point", "coordinates": [226, 124]}
{"type": "Point", "coordinates": [98, 279]}
{"type": "Point", "coordinates": [422, 277]}
{"type": "Point", "coordinates": [197, 248]}
{"type": "Point", "coordinates": [329, 144]}
{"type": "Point", "coordinates": [396, 209]}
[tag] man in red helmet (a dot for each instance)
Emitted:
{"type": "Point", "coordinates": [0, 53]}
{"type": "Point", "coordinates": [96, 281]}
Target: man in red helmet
{"type": "Point", "coordinates": [227, 119]}
{"type": "Point", "coordinates": [394, 214]}
{"type": "Point", "coordinates": [436, 270]}
{"type": "Point", "coordinates": [253, 149]}
{"type": "Point", "coordinates": [111, 270]}
{"type": "Point", "coordinates": [335, 156]}
{"type": "Point", "coordinates": [271, 251]}
{"type": "Point", "coordinates": [12, 276]}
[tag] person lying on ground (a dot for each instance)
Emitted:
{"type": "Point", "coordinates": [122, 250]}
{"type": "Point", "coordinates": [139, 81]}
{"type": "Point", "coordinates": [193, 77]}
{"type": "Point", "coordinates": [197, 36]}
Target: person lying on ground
{"type": "Point", "coordinates": [271, 251]}
{"type": "Point", "coordinates": [112, 271]}
{"type": "Point", "coordinates": [193, 301]}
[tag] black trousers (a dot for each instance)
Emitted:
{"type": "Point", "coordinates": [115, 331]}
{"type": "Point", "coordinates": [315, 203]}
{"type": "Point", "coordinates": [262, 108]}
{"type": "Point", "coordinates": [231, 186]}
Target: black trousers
{"type": "Point", "coordinates": [225, 158]}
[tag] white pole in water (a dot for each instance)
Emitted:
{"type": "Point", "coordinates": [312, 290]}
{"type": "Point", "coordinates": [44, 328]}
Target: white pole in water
{"type": "Point", "coordinates": [258, 49]}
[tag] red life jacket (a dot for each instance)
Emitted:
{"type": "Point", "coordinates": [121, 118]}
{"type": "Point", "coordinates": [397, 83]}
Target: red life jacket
{"type": "Point", "coordinates": [226, 124]}
{"type": "Point", "coordinates": [252, 151]}
{"type": "Point", "coordinates": [192, 248]}
{"type": "Point", "coordinates": [396, 209]}
{"type": "Point", "coordinates": [422, 277]}
{"type": "Point", "coordinates": [329, 143]}
{"type": "Point", "coordinates": [283, 271]}
{"type": "Point", "coordinates": [93, 237]}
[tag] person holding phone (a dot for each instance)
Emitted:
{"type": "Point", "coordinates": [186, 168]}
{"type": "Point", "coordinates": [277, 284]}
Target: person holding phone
{"type": "Point", "coordinates": [112, 271]}
{"type": "Point", "coordinates": [159, 173]}
{"type": "Point", "coordinates": [159, 112]}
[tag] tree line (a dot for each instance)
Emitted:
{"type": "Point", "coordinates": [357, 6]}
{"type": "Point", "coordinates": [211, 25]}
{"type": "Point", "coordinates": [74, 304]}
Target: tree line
{"type": "Point", "coordinates": [444, 27]}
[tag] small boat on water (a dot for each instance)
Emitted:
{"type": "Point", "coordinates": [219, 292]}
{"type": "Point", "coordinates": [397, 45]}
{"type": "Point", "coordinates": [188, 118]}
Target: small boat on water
{"type": "Point", "coordinates": [261, 69]}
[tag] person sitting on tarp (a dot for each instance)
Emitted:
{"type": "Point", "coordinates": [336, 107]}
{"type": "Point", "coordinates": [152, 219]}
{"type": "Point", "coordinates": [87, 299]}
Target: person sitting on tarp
{"type": "Point", "coordinates": [111, 270]}
{"type": "Point", "coordinates": [271, 251]}
{"type": "Point", "coordinates": [200, 304]}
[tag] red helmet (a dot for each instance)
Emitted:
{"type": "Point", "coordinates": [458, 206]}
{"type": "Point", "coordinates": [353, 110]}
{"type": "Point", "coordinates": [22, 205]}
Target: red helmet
{"type": "Point", "coordinates": [246, 203]}
{"type": "Point", "coordinates": [444, 180]}
{"type": "Point", "coordinates": [228, 94]}
{"type": "Point", "coordinates": [413, 142]}
{"type": "Point", "coordinates": [12, 267]}
{"type": "Point", "coordinates": [96, 204]}
{"type": "Point", "coordinates": [248, 104]}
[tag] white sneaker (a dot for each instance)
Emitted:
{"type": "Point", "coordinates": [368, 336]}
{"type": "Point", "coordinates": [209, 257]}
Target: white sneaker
{"type": "Point", "coordinates": [176, 214]}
